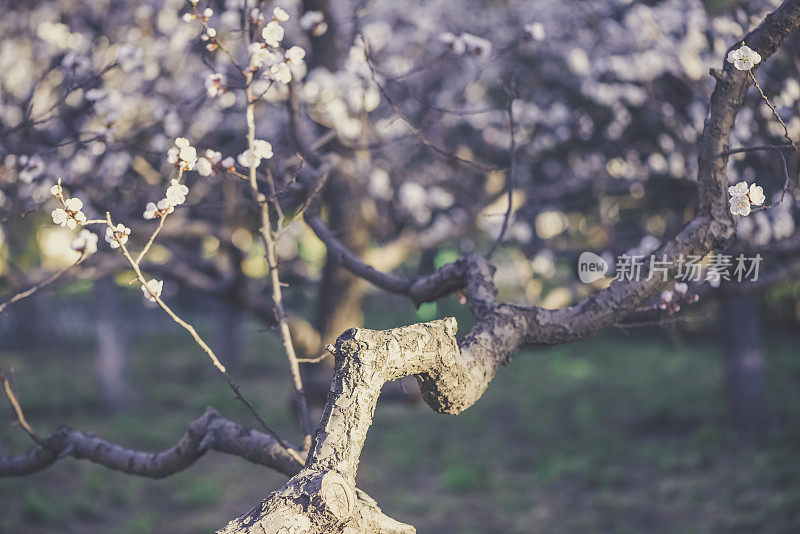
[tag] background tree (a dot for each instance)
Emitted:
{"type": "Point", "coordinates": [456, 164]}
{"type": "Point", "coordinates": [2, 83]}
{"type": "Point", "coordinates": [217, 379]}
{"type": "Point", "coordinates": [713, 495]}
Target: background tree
{"type": "Point", "coordinates": [417, 156]}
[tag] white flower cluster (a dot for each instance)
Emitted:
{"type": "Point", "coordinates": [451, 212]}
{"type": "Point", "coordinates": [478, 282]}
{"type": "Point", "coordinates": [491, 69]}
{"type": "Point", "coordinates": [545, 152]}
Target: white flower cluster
{"type": "Point", "coordinates": [70, 215]}
{"type": "Point", "coordinates": [265, 54]}
{"type": "Point", "coordinates": [30, 167]}
{"type": "Point", "coordinates": [742, 197]}
{"type": "Point", "coordinates": [117, 236]}
{"type": "Point", "coordinates": [467, 43]}
{"type": "Point", "coordinates": [182, 155]}
{"type": "Point", "coordinates": [175, 196]}
{"type": "Point", "coordinates": [152, 290]}
{"type": "Point", "coordinates": [744, 58]}
{"type": "Point", "coordinates": [314, 22]}
{"type": "Point", "coordinates": [208, 163]}
{"type": "Point", "coordinates": [534, 31]}
{"type": "Point", "coordinates": [252, 158]}
{"type": "Point", "coordinates": [670, 299]}
{"type": "Point", "coordinates": [85, 243]}
{"type": "Point", "coordinates": [215, 84]}
{"type": "Point", "coordinates": [273, 31]}
{"type": "Point", "coordinates": [159, 209]}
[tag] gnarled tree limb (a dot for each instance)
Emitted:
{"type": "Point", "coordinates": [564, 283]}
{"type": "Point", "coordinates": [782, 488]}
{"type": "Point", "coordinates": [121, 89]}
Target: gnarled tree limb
{"type": "Point", "coordinates": [210, 431]}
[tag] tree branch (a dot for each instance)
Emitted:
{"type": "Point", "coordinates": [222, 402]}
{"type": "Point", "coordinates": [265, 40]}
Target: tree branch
{"type": "Point", "coordinates": [211, 431]}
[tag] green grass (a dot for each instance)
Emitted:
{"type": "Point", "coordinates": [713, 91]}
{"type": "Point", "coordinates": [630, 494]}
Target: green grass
{"type": "Point", "coordinates": [618, 434]}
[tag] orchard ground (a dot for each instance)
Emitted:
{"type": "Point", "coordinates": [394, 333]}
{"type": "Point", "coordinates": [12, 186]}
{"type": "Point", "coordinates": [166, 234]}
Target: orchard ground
{"type": "Point", "coordinates": [624, 433]}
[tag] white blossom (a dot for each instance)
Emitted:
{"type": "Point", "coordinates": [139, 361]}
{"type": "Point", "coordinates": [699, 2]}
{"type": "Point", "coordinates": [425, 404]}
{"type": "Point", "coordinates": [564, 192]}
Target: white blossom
{"type": "Point", "coordinates": [295, 54]}
{"type": "Point", "coordinates": [31, 168]}
{"type": "Point", "coordinates": [453, 42]}
{"type": "Point", "coordinates": [742, 197]}
{"type": "Point", "coordinates": [182, 155]}
{"type": "Point", "coordinates": [153, 210]}
{"type": "Point", "coordinates": [215, 84]}
{"type": "Point", "coordinates": [313, 21]}
{"type": "Point", "coordinates": [60, 217]}
{"type": "Point", "coordinates": [280, 15]}
{"type": "Point", "coordinates": [152, 290]}
{"type": "Point", "coordinates": [535, 31]}
{"type": "Point", "coordinates": [477, 46]}
{"type": "Point", "coordinates": [71, 215]}
{"type": "Point", "coordinates": [740, 205]}
{"type": "Point", "coordinates": [118, 235]}
{"type": "Point", "coordinates": [666, 299]}
{"type": "Point", "coordinates": [256, 17]}
{"type": "Point", "coordinates": [261, 56]}
{"type": "Point", "coordinates": [176, 193]}
{"type": "Point", "coordinates": [744, 58]}
{"type": "Point", "coordinates": [280, 73]}
{"type": "Point", "coordinates": [74, 204]}
{"type": "Point", "coordinates": [738, 189]}
{"type": "Point", "coordinates": [681, 288]}
{"type": "Point", "coordinates": [56, 190]}
{"type": "Point", "coordinates": [272, 33]}
{"type": "Point", "coordinates": [150, 210]}
{"type": "Point", "coordinates": [248, 159]}
{"type": "Point", "coordinates": [262, 149]}
{"type": "Point", "coordinates": [756, 194]}
{"type": "Point", "coordinates": [85, 243]}
{"type": "Point", "coordinates": [204, 167]}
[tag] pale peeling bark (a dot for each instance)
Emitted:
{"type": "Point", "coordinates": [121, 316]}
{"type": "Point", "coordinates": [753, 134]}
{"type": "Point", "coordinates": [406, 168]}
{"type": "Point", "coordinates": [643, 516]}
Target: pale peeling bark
{"type": "Point", "coordinates": [322, 498]}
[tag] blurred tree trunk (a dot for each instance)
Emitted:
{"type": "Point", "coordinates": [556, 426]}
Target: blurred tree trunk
{"type": "Point", "coordinates": [743, 346]}
{"type": "Point", "coordinates": [228, 334]}
{"type": "Point", "coordinates": [340, 294]}
{"type": "Point", "coordinates": [324, 47]}
{"type": "Point", "coordinates": [111, 345]}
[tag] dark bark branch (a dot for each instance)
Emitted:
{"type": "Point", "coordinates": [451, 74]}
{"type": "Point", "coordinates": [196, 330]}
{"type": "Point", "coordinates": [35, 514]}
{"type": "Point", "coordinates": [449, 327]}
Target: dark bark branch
{"type": "Point", "coordinates": [211, 431]}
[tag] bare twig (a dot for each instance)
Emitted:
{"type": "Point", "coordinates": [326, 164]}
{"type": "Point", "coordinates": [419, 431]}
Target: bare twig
{"type": "Point", "coordinates": [270, 245]}
{"type": "Point", "coordinates": [447, 154]}
{"type": "Point", "coordinates": [44, 283]}
{"type": "Point", "coordinates": [18, 409]}
{"type": "Point", "coordinates": [772, 108]}
{"type": "Point", "coordinates": [510, 177]}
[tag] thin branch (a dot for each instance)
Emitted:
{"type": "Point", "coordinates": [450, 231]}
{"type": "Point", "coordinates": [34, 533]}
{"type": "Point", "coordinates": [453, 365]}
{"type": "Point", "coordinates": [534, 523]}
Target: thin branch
{"type": "Point", "coordinates": [447, 154]}
{"type": "Point", "coordinates": [510, 177]}
{"type": "Point", "coordinates": [12, 398]}
{"type": "Point", "coordinates": [772, 108]}
{"type": "Point", "coordinates": [153, 236]}
{"type": "Point", "coordinates": [785, 189]}
{"type": "Point", "coordinates": [44, 283]}
{"type": "Point", "coordinates": [266, 231]}
{"type": "Point", "coordinates": [757, 148]}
